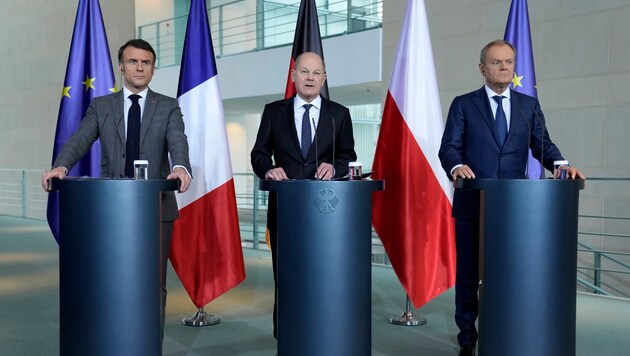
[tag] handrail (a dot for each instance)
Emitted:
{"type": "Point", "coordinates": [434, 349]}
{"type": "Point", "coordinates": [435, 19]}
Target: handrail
{"type": "Point", "coordinates": [588, 285]}
{"type": "Point", "coordinates": [21, 193]}
{"type": "Point", "coordinates": [600, 270]}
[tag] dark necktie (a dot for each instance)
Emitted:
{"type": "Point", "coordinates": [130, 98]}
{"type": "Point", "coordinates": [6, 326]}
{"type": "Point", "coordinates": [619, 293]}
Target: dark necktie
{"type": "Point", "coordinates": [133, 135]}
{"type": "Point", "coordinates": [500, 121]}
{"type": "Point", "coordinates": [306, 130]}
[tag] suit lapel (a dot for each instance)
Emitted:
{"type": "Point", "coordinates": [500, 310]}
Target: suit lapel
{"type": "Point", "coordinates": [150, 104]}
{"type": "Point", "coordinates": [517, 119]}
{"type": "Point", "coordinates": [483, 104]}
{"type": "Point", "coordinates": [288, 119]}
{"type": "Point", "coordinates": [325, 121]}
{"type": "Point", "coordinates": [119, 115]}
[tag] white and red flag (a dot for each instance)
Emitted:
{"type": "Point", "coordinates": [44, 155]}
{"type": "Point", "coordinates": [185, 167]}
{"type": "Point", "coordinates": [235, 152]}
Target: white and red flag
{"type": "Point", "coordinates": [413, 215]}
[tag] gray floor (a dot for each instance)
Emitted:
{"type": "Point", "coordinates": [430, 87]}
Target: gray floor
{"type": "Point", "coordinates": [29, 309]}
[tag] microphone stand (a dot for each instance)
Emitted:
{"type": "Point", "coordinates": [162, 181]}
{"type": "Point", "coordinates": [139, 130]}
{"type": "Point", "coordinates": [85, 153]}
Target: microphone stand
{"type": "Point", "coordinates": [542, 143]}
{"type": "Point", "coordinates": [316, 150]}
{"type": "Point", "coordinates": [333, 144]}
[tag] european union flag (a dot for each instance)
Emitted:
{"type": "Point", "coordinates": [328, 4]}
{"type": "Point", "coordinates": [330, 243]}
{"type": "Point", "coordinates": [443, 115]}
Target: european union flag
{"type": "Point", "coordinates": [89, 74]}
{"type": "Point", "coordinates": [524, 81]}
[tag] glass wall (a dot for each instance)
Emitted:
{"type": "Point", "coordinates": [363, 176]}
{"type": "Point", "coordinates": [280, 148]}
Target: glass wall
{"type": "Point", "coordinates": [239, 26]}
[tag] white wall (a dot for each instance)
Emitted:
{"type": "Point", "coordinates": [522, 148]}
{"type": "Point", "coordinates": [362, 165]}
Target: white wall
{"type": "Point", "coordinates": [35, 40]}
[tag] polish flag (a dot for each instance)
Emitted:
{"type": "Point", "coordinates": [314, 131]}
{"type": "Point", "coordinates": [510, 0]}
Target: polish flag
{"type": "Point", "coordinates": [413, 215]}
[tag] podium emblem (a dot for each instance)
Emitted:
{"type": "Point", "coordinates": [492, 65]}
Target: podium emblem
{"type": "Point", "coordinates": [326, 201]}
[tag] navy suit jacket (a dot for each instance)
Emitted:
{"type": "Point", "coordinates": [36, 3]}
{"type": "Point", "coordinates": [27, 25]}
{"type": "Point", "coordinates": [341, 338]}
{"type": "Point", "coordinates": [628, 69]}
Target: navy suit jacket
{"type": "Point", "coordinates": [161, 133]}
{"type": "Point", "coordinates": [470, 138]}
{"type": "Point", "coordinates": [277, 137]}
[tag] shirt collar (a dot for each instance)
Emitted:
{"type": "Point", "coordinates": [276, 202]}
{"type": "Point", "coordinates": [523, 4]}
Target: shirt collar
{"type": "Point", "coordinates": [491, 92]}
{"type": "Point", "coordinates": [299, 102]}
{"type": "Point", "coordinates": [143, 94]}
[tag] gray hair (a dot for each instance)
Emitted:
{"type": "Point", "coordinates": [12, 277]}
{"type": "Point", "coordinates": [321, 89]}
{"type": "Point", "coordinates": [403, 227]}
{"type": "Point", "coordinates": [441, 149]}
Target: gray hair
{"type": "Point", "coordinates": [484, 50]}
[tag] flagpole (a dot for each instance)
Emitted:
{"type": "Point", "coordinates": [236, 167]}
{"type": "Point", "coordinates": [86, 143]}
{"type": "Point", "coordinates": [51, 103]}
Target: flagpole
{"type": "Point", "coordinates": [407, 318]}
{"type": "Point", "coordinates": [208, 225]}
{"type": "Point", "coordinates": [201, 318]}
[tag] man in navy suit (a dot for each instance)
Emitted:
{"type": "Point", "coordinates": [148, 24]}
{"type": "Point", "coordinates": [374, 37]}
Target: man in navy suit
{"type": "Point", "coordinates": [487, 135]}
{"type": "Point", "coordinates": [305, 135]}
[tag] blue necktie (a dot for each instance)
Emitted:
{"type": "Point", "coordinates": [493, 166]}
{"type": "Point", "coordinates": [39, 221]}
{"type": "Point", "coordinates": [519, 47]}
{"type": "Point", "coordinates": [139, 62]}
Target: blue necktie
{"type": "Point", "coordinates": [306, 131]}
{"type": "Point", "coordinates": [133, 135]}
{"type": "Point", "coordinates": [500, 121]}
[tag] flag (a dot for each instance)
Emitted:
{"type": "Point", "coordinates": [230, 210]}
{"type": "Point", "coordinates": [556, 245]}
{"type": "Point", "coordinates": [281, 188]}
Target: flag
{"type": "Point", "coordinates": [206, 249]}
{"type": "Point", "coordinates": [307, 39]}
{"type": "Point", "coordinates": [89, 74]}
{"type": "Point", "coordinates": [413, 215]}
{"type": "Point", "coordinates": [524, 81]}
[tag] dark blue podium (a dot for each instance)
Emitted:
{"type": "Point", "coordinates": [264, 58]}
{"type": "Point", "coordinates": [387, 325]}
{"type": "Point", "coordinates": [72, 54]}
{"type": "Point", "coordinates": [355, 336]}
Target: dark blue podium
{"type": "Point", "coordinates": [528, 260]}
{"type": "Point", "coordinates": [324, 266]}
{"type": "Point", "coordinates": [109, 265]}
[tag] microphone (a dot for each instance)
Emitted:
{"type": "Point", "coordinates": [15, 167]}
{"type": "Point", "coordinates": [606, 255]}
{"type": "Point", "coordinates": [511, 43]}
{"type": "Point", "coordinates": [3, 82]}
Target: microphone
{"type": "Point", "coordinates": [529, 128]}
{"type": "Point", "coordinates": [542, 142]}
{"type": "Point", "coordinates": [316, 150]}
{"type": "Point", "coordinates": [333, 145]}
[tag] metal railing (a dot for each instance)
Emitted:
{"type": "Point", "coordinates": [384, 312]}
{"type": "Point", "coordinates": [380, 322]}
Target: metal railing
{"type": "Point", "coordinates": [241, 26]}
{"type": "Point", "coordinates": [603, 239]}
{"type": "Point", "coordinates": [21, 193]}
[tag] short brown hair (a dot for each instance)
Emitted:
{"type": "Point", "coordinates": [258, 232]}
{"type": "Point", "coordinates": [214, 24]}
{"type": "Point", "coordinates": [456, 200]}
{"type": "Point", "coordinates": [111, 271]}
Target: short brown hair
{"type": "Point", "coordinates": [136, 43]}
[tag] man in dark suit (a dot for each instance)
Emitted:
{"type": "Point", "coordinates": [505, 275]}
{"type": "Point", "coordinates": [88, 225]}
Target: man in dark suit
{"type": "Point", "coordinates": [287, 132]}
{"type": "Point", "coordinates": [487, 135]}
{"type": "Point", "coordinates": [161, 132]}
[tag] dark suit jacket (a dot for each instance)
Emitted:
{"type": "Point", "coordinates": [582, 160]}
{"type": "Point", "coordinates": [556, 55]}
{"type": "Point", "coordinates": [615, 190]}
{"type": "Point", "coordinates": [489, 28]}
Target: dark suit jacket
{"type": "Point", "coordinates": [470, 138]}
{"type": "Point", "coordinates": [161, 133]}
{"type": "Point", "coordinates": [277, 137]}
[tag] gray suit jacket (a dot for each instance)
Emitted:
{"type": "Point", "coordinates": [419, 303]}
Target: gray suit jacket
{"type": "Point", "coordinates": [161, 133]}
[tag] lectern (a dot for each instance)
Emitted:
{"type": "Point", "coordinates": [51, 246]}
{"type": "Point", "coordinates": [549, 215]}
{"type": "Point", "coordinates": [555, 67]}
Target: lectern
{"type": "Point", "coordinates": [324, 266]}
{"type": "Point", "coordinates": [528, 260]}
{"type": "Point", "coordinates": [109, 265]}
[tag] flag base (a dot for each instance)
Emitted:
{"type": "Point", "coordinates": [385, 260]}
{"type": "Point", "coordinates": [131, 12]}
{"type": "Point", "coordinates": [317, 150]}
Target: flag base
{"type": "Point", "coordinates": [407, 318]}
{"type": "Point", "coordinates": [201, 319]}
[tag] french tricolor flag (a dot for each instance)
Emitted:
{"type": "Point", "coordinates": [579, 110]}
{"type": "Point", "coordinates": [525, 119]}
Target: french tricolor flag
{"type": "Point", "coordinates": [413, 215]}
{"type": "Point", "coordinates": [206, 249]}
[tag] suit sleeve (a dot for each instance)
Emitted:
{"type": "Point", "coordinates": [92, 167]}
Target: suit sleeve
{"type": "Point", "coordinates": [345, 152]}
{"type": "Point", "coordinates": [81, 140]}
{"type": "Point", "coordinates": [176, 138]}
{"type": "Point", "coordinates": [263, 148]}
{"type": "Point", "coordinates": [451, 147]}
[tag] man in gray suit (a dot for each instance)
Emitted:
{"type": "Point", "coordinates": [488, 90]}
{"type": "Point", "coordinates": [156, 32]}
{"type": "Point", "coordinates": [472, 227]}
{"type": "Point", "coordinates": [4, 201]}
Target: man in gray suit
{"type": "Point", "coordinates": [161, 131]}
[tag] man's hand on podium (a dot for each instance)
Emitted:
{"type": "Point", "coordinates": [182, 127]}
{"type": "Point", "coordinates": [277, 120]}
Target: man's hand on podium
{"type": "Point", "coordinates": [57, 172]}
{"type": "Point", "coordinates": [572, 173]}
{"type": "Point", "coordinates": [181, 174]}
{"type": "Point", "coordinates": [463, 172]}
{"type": "Point", "coordinates": [276, 174]}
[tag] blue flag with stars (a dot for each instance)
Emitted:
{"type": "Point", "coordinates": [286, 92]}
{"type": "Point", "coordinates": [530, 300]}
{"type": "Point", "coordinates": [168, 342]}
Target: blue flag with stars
{"type": "Point", "coordinates": [89, 74]}
{"type": "Point", "coordinates": [524, 81]}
